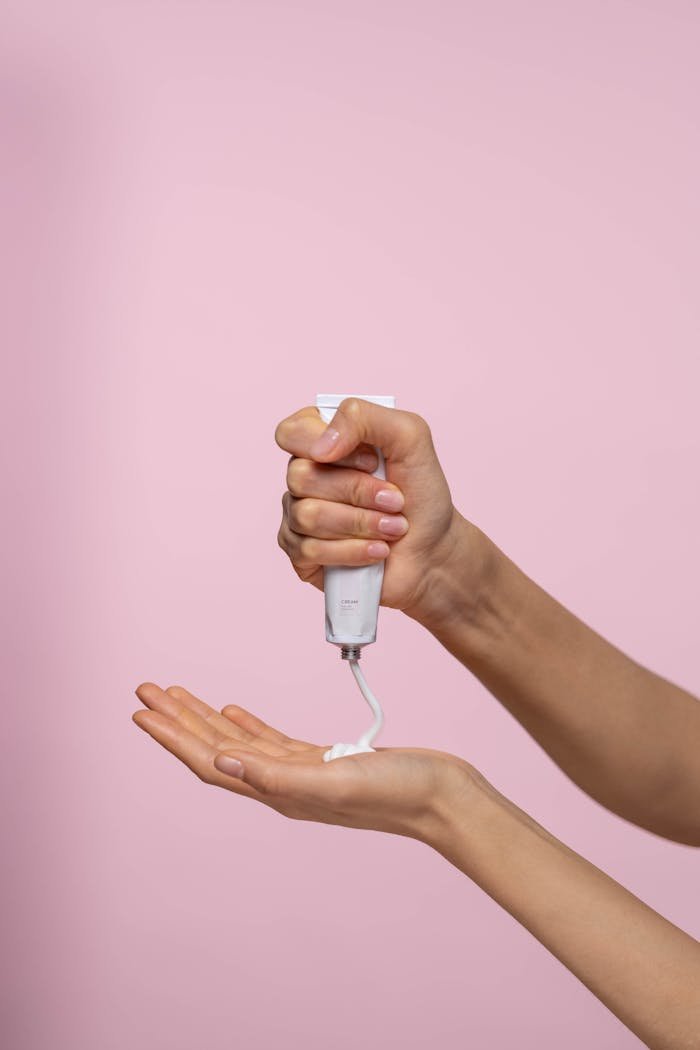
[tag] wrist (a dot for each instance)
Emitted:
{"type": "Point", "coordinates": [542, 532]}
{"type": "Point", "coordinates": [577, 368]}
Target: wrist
{"type": "Point", "coordinates": [462, 586]}
{"type": "Point", "coordinates": [479, 830]}
{"type": "Point", "coordinates": [458, 807]}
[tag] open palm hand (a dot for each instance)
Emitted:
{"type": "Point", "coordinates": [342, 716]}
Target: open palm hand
{"type": "Point", "coordinates": [399, 790]}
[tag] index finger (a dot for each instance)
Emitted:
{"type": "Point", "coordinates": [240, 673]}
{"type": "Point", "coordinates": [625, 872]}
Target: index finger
{"type": "Point", "coordinates": [298, 432]}
{"type": "Point", "coordinates": [191, 750]}
{"type": "Point", "coordinates": [400, 435]}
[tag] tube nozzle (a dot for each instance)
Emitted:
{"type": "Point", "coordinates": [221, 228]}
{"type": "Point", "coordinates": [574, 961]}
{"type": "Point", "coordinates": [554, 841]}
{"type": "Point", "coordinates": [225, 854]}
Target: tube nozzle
{"type": "Point", "coordinates": [350, 652]}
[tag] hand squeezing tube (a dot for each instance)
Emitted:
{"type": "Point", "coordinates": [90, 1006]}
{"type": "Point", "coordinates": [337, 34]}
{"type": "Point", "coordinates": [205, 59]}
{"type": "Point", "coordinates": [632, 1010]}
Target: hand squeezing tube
{"type": "Point", "coordinates": [352, 596]}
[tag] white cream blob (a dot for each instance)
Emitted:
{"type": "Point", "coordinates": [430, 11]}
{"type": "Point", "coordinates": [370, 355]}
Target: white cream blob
{"type": "Point", "coordinates": [341, 750]}
{"type": "Point", "coordinates": [363, 745]}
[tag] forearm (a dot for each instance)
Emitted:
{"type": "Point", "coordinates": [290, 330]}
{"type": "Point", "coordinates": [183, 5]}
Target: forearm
{"type": "Point", "coordinates": [638, 964]}
{"type": "Point", "coordinates": [626, 736]}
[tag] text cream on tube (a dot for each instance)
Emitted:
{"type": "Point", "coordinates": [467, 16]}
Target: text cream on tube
{"type": "Point", "coordinates": [352, 596]}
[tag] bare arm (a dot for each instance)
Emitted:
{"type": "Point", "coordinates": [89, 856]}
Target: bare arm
{"type": "Point", "coordinates": [643, 968]}
{"type": "Point", "coordinates": [626, 736]}
{"type": "Point", "coordinates": [623, 734]}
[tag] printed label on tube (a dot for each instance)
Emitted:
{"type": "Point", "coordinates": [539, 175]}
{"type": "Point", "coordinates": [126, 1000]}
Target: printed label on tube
{"type": "Point", "coordinates": [352, 593]}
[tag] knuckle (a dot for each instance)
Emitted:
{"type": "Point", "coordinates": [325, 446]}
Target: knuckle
{"type": "Point", "coordinates": [351, 407]}
{"type": "Point", "coordinates": [418, 424]}
{"type": "Point", "coordinates": [413, 429]}
{"type": "Point", "coordinates": [360, 523]}
{"type": "Point", "coordinates": [293, 515]}
{"type": "Point", "coordinates": [288, 541]}
{"type": "Point", "coordinates": [303, 515]}
{"type": "Point", "coordinates": [268, 782]}
{"type": "Point", "coordinates": [281, 432]}
{"type": "Point", "coordinates": [358, 491]}
{"type": "Point", "coordinates": [298, 475]}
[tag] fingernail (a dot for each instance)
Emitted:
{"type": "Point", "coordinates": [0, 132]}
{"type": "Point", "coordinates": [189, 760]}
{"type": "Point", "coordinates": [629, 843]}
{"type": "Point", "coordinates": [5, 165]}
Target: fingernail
{"type": "Point", "coordinates": [393, 526]}
{"type": "Point", "coordinates": [231, 766]}
{"type": "Point", "coordinates": [378, 549]}
{"type": "Point", "coordinates": [389, 499]}
{"type": "Point", "coordinates": [327, 441]}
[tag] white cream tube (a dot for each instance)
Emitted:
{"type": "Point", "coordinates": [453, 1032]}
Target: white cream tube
{"type": "Point", "coordinates": [352, 600]}
{"type": "Point", "coordinates": [352, 592]}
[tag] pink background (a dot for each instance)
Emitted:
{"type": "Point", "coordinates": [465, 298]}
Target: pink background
{"type": "Point", "coordinates": [210, 212]}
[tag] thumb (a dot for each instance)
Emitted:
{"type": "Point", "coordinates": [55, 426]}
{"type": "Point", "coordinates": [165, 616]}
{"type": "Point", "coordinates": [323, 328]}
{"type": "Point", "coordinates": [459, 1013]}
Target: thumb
{"type": "Point", "coordinates": [356, 421]}
{"type": "Point", "coordinates": [272, 776]}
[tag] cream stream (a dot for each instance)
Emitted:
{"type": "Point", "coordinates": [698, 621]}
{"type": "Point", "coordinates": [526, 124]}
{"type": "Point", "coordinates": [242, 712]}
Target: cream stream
{"type": "Point", "coordinates": [365, 741]}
